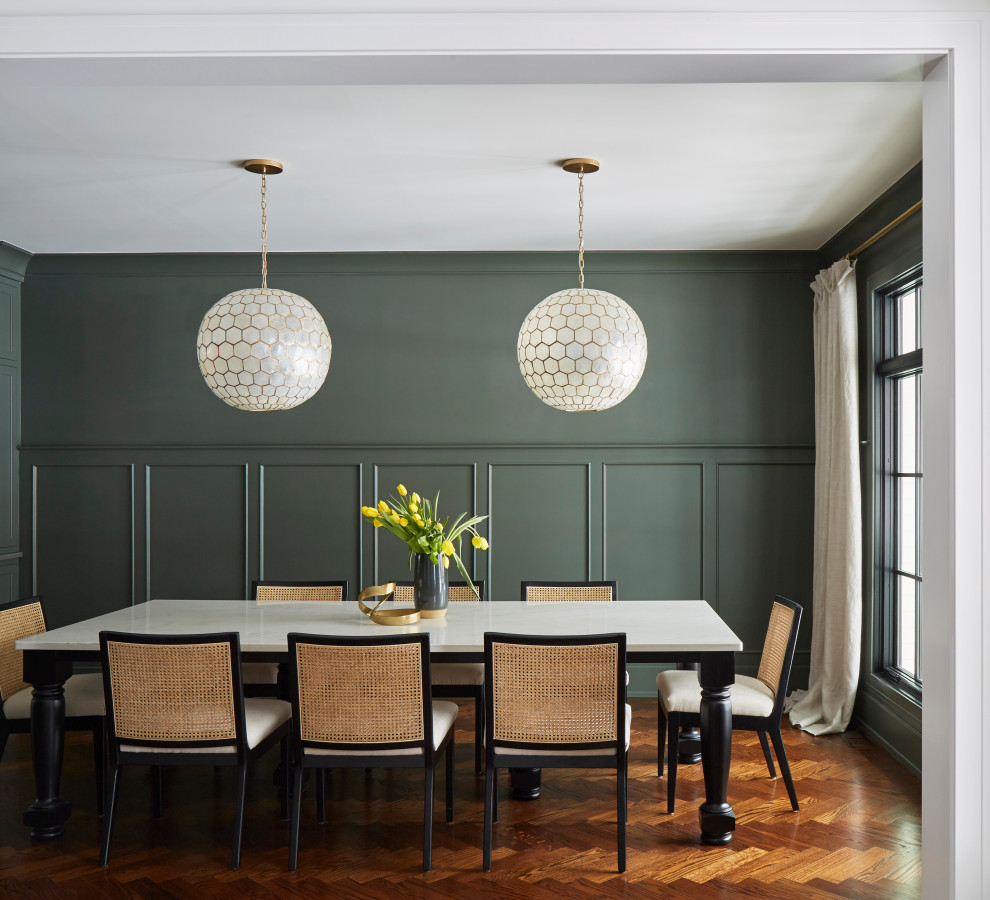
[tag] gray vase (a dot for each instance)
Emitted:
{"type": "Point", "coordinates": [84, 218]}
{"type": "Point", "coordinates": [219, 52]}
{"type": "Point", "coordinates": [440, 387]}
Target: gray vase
{"type": "Point", "coordinates": [429, 587]}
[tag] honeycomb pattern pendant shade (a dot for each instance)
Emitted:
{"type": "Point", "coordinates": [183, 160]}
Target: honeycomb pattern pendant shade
{"type": "Point", "coordinates": [261, 349]}
{"type": "Point", "coordinates": [582, 350]}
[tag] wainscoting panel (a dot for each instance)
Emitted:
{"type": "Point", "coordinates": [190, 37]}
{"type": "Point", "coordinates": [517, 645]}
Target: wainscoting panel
{"type": "Point", "coordinates": [308, 515]}
{"type": "Point", "coordinates": [10, 429]}
{"type": "Point", "coordinates": [456, 486]}
{"type": "Point", "coordinates": [82, 540]}
{"type": "Point", "coordinates": [539, 525]}
{"type": "Point", "coordinates": [765, 546]}
{"type": "Point", "coordinates": [196, 544]}
{"type": "Point", "coordinates": [653, 530]}
{"type": "Point", "coordinates": [10, 325]}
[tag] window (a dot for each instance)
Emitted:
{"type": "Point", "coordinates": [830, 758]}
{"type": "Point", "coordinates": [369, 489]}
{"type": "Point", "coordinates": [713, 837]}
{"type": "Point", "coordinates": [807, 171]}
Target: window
{"type": "Point", "coordinates": [897, 653]}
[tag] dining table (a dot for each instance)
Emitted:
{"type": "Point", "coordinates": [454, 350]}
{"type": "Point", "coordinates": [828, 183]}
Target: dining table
{"type": "Point", "coordinates": [686, 632]}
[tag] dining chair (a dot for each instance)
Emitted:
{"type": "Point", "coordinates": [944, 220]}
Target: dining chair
{"type": "Point", "coordinates": [581, 591]}
{"type": "Point", "coordinates": [261, 678]}
{"type": "Point", "coordinates": [571, 592]}
{"type": "Point", "coordinates": [84, 709]}
{"type": "Point", "coordinates": [365, 702]}
{"type": "Point", "coordinates": [459, 680]}
{"type": "Point", "coordinates": [757, 703]}
{"type": "Point", "coordinates": [177, 700]}
{"type": "Point", "coordinates": [555, 702]}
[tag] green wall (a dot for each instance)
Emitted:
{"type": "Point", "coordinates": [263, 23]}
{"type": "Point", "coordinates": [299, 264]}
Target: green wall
{"type": "Point", "coordinates": [136, 482]}
{"type": "Point", "coordinates": [889, 716]}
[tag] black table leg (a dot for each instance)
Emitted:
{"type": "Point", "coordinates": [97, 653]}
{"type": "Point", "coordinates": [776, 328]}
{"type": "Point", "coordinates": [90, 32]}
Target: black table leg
{"type": "Point", "coordinates": [689, 738]}
{"type": "Point", "coordinates": [525, 783]}
{"type": "Point", "coordinates": [47, 815]}
{"type": "Point", "coordinates": [716, 815]}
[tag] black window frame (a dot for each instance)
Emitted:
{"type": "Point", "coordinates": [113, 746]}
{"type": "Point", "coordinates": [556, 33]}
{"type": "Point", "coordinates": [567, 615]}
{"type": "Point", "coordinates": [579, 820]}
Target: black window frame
{"type": "Point", "coordinates": [890, 368]}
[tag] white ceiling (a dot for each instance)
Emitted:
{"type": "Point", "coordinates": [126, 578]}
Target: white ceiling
{"type": "Point", "coordinates": [440, 153]}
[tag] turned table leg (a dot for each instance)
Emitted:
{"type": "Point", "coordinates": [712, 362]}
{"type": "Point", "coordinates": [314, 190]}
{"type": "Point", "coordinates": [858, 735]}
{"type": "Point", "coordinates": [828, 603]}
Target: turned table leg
{"type": "Point", "coordinates": [716, 815]}
{"type": "Point", "coordinates": [48, 813]}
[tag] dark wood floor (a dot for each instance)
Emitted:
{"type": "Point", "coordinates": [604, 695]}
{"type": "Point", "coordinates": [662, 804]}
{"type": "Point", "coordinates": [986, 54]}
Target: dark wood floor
{"type": "Point", "coordinates": [858, 833]}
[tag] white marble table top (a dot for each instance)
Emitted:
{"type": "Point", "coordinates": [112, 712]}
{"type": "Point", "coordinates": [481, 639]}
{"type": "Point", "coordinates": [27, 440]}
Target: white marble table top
{"type": "Point", "coordinates": [656, 626]}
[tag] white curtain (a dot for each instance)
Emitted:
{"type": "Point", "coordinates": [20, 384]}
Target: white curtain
{"type": "Point", "coordinates": [836, 617]}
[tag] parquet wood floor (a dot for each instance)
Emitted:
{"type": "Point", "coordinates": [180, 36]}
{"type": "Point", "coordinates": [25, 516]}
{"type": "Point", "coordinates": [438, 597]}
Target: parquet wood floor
{"type": "Point", "coordinates": [858, 833]}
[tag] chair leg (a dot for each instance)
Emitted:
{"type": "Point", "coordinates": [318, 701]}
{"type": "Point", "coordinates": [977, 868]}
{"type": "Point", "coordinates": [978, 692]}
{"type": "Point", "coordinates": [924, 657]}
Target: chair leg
{"type": "Point", "coordinates": [321, 796]}
{"type": "Point", "coordinates": [661, 737]}
{"type": "Point", "coordinates": [157, 791]}
{"type": "Point", "coordinates": [766, 753]}
{"type": "Point", "coordinates": [111, 809]}
{"type": "Point", "coordinates": [622, 811]}
{"type": "Point", "coordinates": [297, 777]}
{"type": "Point", "coordinates": [428, 819]}
{"type": "Point", "coordinates": [479, 729]}
{"type": "Point", "coordinates": [283, 787]}
{"type": "Point", "coordinates": [495, 796]}
{"type": "Point", "coordinates": [673, 726]}
{"type": "Point", "coordinates": [486, 853]}
{"type": "Point", "coordinates": [450, 781]}
{"type": "Point", "coordinates": [785, 769]}
{"type": "Point", "coordinates": [99, 763]}
{"type": "Point", "coordinates": [235, 853]}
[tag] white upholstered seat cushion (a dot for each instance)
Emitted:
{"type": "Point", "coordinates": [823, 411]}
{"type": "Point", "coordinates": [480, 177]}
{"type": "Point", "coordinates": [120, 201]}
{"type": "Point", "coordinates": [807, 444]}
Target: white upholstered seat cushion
{"type": "Point", "coordinates": [259, 673]}
{"type": "Point", "coordinates": [511, 751]}
{"type": "Point", "coordinates": [83, 697]}
{"type": "Point", "coordinates": [680, 692]}
{"type": "Point", "coordinates": [457, 673]}
{"type": "Point", "coordinates": [444, 714]}
{"type": "Point", "coordinates": [262, 716]}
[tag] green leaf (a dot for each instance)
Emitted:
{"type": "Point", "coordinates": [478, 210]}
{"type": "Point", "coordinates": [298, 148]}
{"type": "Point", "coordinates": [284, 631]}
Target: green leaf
{"type": "Point", "coordinates": [464, 574]}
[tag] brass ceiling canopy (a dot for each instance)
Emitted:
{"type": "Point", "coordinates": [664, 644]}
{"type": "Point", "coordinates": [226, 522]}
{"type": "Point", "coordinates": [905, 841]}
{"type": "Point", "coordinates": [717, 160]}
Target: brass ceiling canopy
{"type": "Point", "coordinates": [263, 166]}
{"type": "Point", "coordinates": [581, 165]}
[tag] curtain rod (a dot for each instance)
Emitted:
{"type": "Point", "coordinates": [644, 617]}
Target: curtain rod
{"type": "Point", "coordinates": [869, 242]}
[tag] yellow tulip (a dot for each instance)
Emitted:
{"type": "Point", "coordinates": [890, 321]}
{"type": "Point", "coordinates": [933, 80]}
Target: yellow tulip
{"type": "Point", "coordinates": [476, 541]}
{"type": "Point", "coordinates": [394, 518]}
{"type": "Point", "coordinates": [383, 506]}
{"type": "Point", "coordinates": [440, 525]}
{"type": "Point", "coordinates": [403, 521]}
{"type": "Point", "coordinates": [446, 562]}
{"type": "Point", "coordinates": [369, 512]}
{"type": "Point", "coordinates": [377, 524]}
{"type": "Point", "coordinates": [447, 547]}
{"type": "Point", "coordinates": [480, 542]}
{"type": "Point", "coordinates": [402, 490]}
{"type": "Point", "coordinates": [413, 507]}
{"type": "Point", "coordinates": [415, 497]}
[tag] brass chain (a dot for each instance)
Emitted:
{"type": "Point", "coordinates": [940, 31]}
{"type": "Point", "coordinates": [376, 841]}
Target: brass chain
{"type": "Point", "coordinates": [581, 228]}
{"type": "Point", "coordinates": [264, 233]}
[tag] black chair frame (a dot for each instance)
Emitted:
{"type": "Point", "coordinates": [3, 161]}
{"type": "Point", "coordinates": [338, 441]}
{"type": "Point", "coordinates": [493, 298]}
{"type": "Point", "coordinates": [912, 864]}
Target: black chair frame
{"type": "Point", "coordinates": [95, 724]}
{"type": "Point", "coordinates": [475, 692]}
{"type": "Point", "coordinates": [361, 759]}
{"type": "Point", "coordinates": [211, 751]}
{"type": "Point", "coordinates": [614, 755]}
{"type": "Point", "coordinates": [763, 726]}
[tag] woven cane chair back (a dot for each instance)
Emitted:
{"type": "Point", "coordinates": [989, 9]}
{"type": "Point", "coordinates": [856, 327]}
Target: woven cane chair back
{"type": "Point", "coordinates": [775, 646]}
{"type": "Point", "coordinates": [458, 592]}
{"type": "Point", "coordinates": [568, 591]}
{"type": "Point", "coordinates": [300, 592]}
{"type": "Point", "coordinates": [555, 693]}
{"type": "Point", "coordinates": [368, 694]}
{"type": "Point", "coordinates": [17, 620]}
{"type": "Point", "coordinates": [171, 692]}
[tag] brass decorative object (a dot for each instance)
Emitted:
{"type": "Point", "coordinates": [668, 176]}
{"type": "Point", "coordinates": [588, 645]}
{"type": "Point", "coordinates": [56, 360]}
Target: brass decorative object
{"type": "Point", "coordinates": [402, 616]}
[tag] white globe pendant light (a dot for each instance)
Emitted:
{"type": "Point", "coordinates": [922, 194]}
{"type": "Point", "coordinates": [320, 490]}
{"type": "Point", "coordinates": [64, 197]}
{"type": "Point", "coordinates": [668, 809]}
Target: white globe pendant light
{"type": "Point", "coordinates": [582, 350]}
{"type": "Point", "coordinates": [262, 349]}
